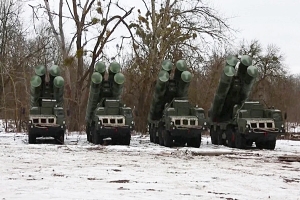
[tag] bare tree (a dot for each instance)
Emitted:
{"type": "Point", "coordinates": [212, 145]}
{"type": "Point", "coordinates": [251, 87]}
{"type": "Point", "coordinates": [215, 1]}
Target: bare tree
{"type": "Point", "coordinates": [11, 53]}
{"type": "Point", "coordinates": [81, 50]}
{"type": "Point", "coordinates": [172, 30]}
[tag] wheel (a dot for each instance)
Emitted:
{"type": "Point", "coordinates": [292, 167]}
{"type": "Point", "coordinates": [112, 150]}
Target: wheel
{"type": "Point", "coordinates": [31, 139]}
{"type": "Point", "coordinates": [219, 133]}
{"type": "Point", "coordinates": [240, 141]}
{"type": "Point", "coordinates": [116, 140]}
{"type": "Point", "coordinates": [155, 138]}
{"type": "Point", "coordinates": [90, 138]}
{"type": "Point", "coordinates": [126, 139]}
{"type": "Point", "coordinates": [179, 141]}
{"type": "Point", "coordinates": [270, 144]}
{"type": "Point", "coordinates": [87, 137]}
{"type": "Point", "coordinates": [231, 140]}
{"type": "Point", "coordinates": [249, 143]}
{"type": "Point", "coordinates": [194, 142]}
{"type": "Point", "coordinates": [87, 130]}
{"type": "Point", "coordinates": [61, 138]}
{"type": "Point", "coordinates": [168, 140]}
{"type": "Point", "coordinates": [151, 135]}
{"type": "Point", "coordinates": [95, 136]}
{"type": "Point", "coordinates": [259, 145]}
{"type": "Point", "coordinates": [160, 138]}
{"type": "Point", "coordinates": [213, 136]}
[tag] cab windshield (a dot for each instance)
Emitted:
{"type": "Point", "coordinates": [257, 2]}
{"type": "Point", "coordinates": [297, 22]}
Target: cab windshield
{"type": "Point", "coordinates": [127, 113]}
{"type": "Point", "coordinates": [277, 116]}
{"type": "Point", "coordinates": [257, 113]}
{"type": "Point", "coordinates": [200, 115]}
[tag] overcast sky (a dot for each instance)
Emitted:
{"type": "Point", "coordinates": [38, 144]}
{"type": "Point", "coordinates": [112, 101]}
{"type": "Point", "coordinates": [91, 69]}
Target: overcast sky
{"type": "Point", "coordinates": [270, 22]}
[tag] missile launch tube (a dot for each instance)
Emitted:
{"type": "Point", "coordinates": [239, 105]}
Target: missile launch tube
{"type": "Point", "coordinates": [54, 70]}
{"type": "Point", "coordinates": [167, 65]}
{"type": "Point", "coordinates": [113, 69]}
{"type": "Point", "coordinates": [117, 86]}
{"type": "Point", "coordinates": [158, 96]}
{"type": "Point", "coordinates": [181, 66]}
{"type": "Point", "coordinates": [252, 73]}
{"type": "Point", "coordinates": [183, 84]}
{"type": "Point", "coordinates": [58, 90]}
{"type": "Point", "coordinates": [40, 70]}
{"type": "Point", "coordinates": [100, 67]}
{"type": "Point", "coordinates": [222, 91]}
{"type": "Point", "coordinates": [96, 80]}
{"type": "Point", "coordinates": [246, 61]}
{"type": "Point", "coordinates": [231, 60]}
{"type": "Point", "coordinates": [35, 90]}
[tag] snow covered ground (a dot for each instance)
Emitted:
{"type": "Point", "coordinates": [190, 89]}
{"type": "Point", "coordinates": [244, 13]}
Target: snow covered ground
{"type": "Point", "coordinates": [79, 170]}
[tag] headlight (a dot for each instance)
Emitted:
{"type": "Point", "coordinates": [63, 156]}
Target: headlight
{"type": "Point", "coordinates": [247, 126]}
{"type": "Point", "coordinates": [30, 122]}
{"type": "Point", "coordinates": [64, 122]}
{"type": "Point", "coordinates": [204, 123]}
{"type": "Point", "coordinates": [99, 123]}
{"type": "Point", "coordinates": [282, 126]}
{"type": "Point", "coordinates": [171, 123]}
{"type": "Point", "coordinates": [132, 122]}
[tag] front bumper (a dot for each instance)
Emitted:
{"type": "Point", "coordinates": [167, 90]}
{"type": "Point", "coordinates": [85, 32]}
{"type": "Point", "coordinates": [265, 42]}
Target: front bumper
{"type": "Point", "coordinates": [113, 131]}
{"type": "Point", "coordinates": [186, 132]}
{"type": "Point", "coordinates": [46, 131]}
{"type": "Point", "coordinates": [263, 135]}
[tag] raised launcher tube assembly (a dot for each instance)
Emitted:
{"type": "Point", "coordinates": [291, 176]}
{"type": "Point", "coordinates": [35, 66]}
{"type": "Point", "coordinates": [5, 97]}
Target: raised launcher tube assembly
{"type": "Point", "coordinates": [172, 120]}
{"type": "Point", "coordinates": [236, 122]}
{"type": "Point", "coordinates": [106, 115]}
{"type": "Point", "coordinates": [46, 116]}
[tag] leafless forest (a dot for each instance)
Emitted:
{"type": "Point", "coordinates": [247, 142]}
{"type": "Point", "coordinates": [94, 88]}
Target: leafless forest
{"type": "Point", "coordinates": [76, 34]}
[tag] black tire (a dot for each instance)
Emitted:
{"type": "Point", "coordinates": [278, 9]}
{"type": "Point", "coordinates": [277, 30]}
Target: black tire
{"type": "Point", "coordinates": [151, 135]}
{"type": "Point", "coordinates": [160, 138]}
{"type": "Point", "coordinates": [90, 137]}
{"type": "Point", "coordinates": [96, 137]}
{"type": "Point", "coordinates": [213, 136]}
{"type": "Point", "coordinates": [87, 137]}
{"type": "Point", "coordinates": [194, 142]}
{"type": "Point", "coordinates": [61, 138]}
{"type": "Point", "coordinates": [155, 138]}
{"type": "Point", "coordinates": [180, 142]}
{"type": "Point", "coordinates": [168, 140]}
{"type": "Point", "coordinates": [259, 145]}
{"type": "Point", "coordinates": [31, 139]}
{"type": "Point", "coordinates": [87, 130]}
{"type": "Point", "coordinates": [126, 139]}
{"type": "Point", "coordinates": [249, 143]}
{"type": "Point", "coordinates": [231, 140]}
{"type": "Point", "coordinates": [116, 140]}
{"type": "Point", "coordinates": [270, 144]}
{"type": "Point", "coordinates": [240, 141]}
{"type": "Point", "coordinates": [219, 133]}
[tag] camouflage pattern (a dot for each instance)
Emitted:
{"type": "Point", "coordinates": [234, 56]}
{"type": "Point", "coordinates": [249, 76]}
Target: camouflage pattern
{"type": "Point", "coordinates": [46, 116]}
{"type": "Point", "coordinates": [106, 115]}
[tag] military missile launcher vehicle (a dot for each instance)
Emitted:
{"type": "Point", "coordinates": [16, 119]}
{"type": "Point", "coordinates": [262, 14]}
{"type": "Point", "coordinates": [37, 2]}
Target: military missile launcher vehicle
{"type": "Point", "coordinates": [106, 115]}
{"type": "Point", "coordinates": [46, 115]}
{"type": "Point", "coordinates": [235, 121]}
{"type": "Point", "coordinates": [172, 120]}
